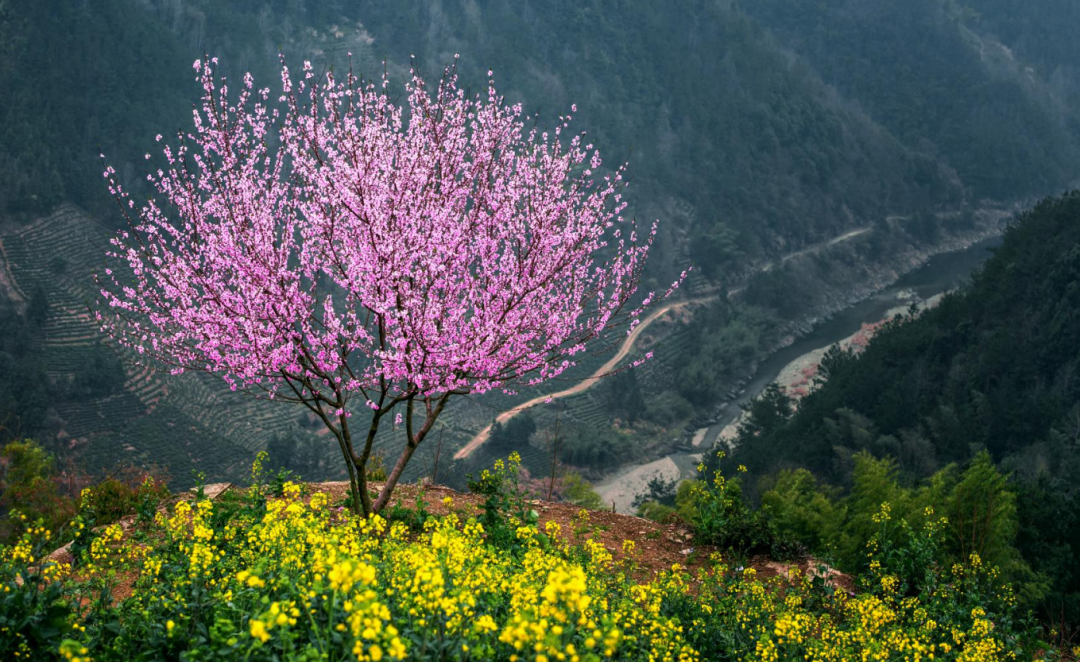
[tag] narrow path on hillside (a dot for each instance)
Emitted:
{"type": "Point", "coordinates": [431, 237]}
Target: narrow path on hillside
{"type": "Point", "coordinates": [628, 345]}
{"type": "Point", "coordinates": [768, 266]}
{"type": "Point", "coordinates": [584, 384]}
{"type": "Point", "coordinates": [832, 242]}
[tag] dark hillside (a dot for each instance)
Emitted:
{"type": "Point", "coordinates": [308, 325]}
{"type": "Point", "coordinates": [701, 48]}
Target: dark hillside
{"type": "Point", "coordinates": [994, 366]}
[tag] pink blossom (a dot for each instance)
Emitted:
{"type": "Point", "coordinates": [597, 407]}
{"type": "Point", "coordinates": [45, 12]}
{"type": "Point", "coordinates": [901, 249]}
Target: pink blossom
{"type": "Point", "coordinates": [341, 244]}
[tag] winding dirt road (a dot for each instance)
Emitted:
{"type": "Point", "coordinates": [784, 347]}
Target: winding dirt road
{"type": "Point", "coordinates": [628, 344]}
{"type": "Point", "coordinates": [584, 384]}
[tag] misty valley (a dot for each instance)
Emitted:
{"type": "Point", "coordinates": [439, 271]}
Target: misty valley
{"type": "Point", "coordinates": [488, 330]}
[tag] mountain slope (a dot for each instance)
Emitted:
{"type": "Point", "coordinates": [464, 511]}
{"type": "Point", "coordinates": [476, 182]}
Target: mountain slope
{"type": "Point", "coordinates": [992, 367]}
{"type": "Point", "coordinates": [940, 87]}
{"type": "Point", "coordinates": [745, 137]}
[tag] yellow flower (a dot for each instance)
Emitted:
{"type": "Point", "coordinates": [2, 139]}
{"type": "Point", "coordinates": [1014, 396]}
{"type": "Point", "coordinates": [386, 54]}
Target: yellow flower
{"type": "Point", "coordinates": [258, 630]}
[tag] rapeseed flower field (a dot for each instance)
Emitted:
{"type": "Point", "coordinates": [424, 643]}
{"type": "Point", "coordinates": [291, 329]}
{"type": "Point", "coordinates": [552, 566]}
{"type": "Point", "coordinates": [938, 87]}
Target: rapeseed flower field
{"type": "Point", "coordinates": [265, 578]}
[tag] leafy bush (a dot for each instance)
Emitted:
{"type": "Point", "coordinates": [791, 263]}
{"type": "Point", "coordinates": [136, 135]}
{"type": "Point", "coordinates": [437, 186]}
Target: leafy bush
{"type": "Point", "coordinates": [35, 615]}
{"type": "Point", "coordinates": [505, 508]}
{"type": "Point", "coordinates": [802, 509]}
{"type": "Point", "coordinates": [720, 516]}
{"type": "Point", "coordinates": [112, 499]}
{"type": "Point", "coordinates": [977, 507]}
{"type": "Point", "coordinates": [657, 512]}
{"type": "Point", "coordinates": [28, 487]}
{"type": "Point", "coordinates": [576, 490]}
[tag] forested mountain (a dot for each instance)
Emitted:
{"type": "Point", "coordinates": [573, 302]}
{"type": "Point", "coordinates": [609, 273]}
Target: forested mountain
{"type": "Point", "coordinates": [886, 110]}
{"type": "Point", "coordinates": [1041, 34]}
{"type": "Point", "coordinates": [755, 132]}
{"type": "Point", "coordinates": [920, 69]}
{"type": "Point", "coordinates": [993, 368]}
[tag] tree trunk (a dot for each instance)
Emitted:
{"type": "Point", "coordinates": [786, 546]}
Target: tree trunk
{"type": "Point", "coordinates": [411, 444]}
{"type": "Point", "coordinates": [392, 479]}
{"type": "Point", "coordinates": [357, 470]}
{"type": "Point", "coordinates": [354, 487]}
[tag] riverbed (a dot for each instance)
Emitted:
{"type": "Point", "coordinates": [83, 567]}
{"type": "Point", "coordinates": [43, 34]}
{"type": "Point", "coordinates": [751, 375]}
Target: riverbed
{"type": "Point", "coordinates": [941, 273]}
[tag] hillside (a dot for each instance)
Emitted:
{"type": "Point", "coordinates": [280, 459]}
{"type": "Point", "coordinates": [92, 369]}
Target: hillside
{"type": "Point", "coordinates": [355, 330]}
{"type": "Point", "coordinates": [991, 369]}
{"type": "Point", "coordinates": [790, 178]}
{"type": "Point", "coordinates": [924, 71]}
{"type": "Point", "coordinates": [278, 571]}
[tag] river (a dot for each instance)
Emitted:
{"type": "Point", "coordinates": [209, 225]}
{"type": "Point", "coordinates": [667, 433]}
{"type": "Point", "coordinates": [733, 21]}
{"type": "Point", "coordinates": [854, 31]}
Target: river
{"type": "Point", "coordinates": [941, 273]}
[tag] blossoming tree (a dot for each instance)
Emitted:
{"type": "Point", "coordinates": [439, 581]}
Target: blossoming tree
{"type": "Point", "coordinates": [333, 247]}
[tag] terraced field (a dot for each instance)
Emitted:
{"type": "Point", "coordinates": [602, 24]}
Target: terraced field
{"type": "Point", "coordinates": [182, 423]}
{"type": "Point", "coordinates": [193, 422]}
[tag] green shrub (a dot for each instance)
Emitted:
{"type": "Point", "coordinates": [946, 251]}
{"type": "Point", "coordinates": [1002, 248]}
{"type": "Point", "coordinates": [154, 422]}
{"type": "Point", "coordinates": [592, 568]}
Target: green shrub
{"type": "Point", "coordinates": [658, 512]}
{"type": "Point", "coordinates": [28, 487]}
{"type": "Point", "coordinates": [505, 508]}
{"type": "Point", "coordinates": [35, 615]}
{"type": "Point", "coordinates": [720, 516]}
{"type": "Point", "coordinates": [800, 508]}
{"type": "Point", "coordinates": [576, 490]}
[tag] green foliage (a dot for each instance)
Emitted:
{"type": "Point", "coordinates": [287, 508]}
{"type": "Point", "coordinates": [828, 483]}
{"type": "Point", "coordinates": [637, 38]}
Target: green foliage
{"type": "Point", "coordinates": [414, 517]}
{"type": "Point", "coordinates": [658, 512]}
{"type": "Point", "coordinates": [29, 492]}
{"type": "Point", "coordinates": [576, 490]}
{"type": "Point", "coordinates": [505, 507]}
{"type": "Point", "coordinates": [26, 467]}
{"type": "Point", "coordinates": [35, 613]}
{"type": "Point", "coordinates": [904, 562]}
{"type": "Point", "coordinates": [978, 509]}
{"type": "Point", "coordinates": [983, 381]}
{"type": "Point", "coordinates": [721, 516]}
{"type": "Point", "coordinates": [33, 496]}
{"type": "Point", "coordinates": [981, 510]}
{"type": "Point", "coordinates": [910, 558]}
{"type": "Point", "coordinates": [874, 483]}
{"type": "Point", "coordinates": [111, 499]}
{"type": "Point", "coordinates": [803, 509]}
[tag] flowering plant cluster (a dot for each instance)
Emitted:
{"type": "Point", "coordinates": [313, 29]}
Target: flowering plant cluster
{"type": "Point", "coordinates": [294, 578]}
{"type": "Point", "coordinates": [331, 246]}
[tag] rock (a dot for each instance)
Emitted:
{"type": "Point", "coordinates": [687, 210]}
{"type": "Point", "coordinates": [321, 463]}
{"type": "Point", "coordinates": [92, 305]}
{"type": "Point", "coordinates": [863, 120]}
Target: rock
{"type": "Point", "coordinates": [213, 490]}
{"type": "Point", "coordinates": [62, 555]}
